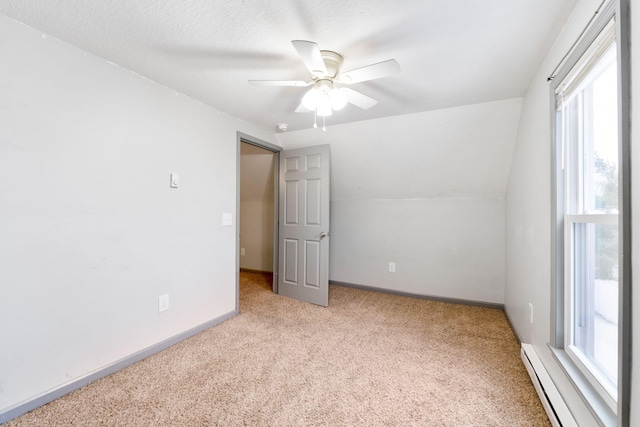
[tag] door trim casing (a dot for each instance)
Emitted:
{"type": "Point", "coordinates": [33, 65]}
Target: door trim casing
{"type": "Point", "coordinates": [275, 149]}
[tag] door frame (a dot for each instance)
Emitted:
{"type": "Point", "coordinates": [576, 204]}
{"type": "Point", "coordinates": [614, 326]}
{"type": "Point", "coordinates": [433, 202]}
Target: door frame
{"type": "Point", "coordinates": [275, 149]}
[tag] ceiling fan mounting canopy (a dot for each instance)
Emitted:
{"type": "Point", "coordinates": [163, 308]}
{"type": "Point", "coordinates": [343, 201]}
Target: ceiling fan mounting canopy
{"type": "Point", "coordinates": [332, 61]}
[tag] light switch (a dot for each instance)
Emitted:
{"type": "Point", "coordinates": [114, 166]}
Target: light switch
{"type": "Point", "coordinates": [174, 180]}
{"type": "Point", "coordinates": [227, 219]}
{"type": "Point", "coordinates": [163, 303]}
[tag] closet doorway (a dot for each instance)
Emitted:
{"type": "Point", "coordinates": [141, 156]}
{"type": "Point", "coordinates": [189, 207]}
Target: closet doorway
{"type": "Point", "coordinates": [290, 188]}
{"type": "Point", "coordinates": [257, 208]}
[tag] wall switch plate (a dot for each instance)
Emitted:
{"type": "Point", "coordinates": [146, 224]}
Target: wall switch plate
{"type": "Point", "coordinates": [227, 219]}
{"type": "Point", "coordinates": [174, 180]}
{"type": "Point", "coordinates": [163, 303]}
{"type": "Point", "coordinates": [242, 251]}
{"type": "Point", "coordinates": [392, 267]}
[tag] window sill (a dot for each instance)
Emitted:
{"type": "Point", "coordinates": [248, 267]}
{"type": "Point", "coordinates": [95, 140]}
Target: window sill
{"type": "Point", "coordinates": [592, 399]}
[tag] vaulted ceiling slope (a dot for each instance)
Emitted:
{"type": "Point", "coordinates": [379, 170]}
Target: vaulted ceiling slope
{"type": "Point", "coordinates": [458, 152]}
{"type": "Point", "coordinates": [451, 53]}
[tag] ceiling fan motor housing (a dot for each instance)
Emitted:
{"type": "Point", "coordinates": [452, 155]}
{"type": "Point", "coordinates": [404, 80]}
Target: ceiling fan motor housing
{"type": "Point", "coordinates": [333, 62]}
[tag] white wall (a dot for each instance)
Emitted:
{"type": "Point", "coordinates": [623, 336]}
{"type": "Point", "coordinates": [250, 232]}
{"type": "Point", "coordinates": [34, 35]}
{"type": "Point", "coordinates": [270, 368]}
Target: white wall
{"type": "Point", "coordinates": [450, 248]}
{"type": "Point", "coordinates": [256, 208]}
{"type": "Point", "coordinates": [424, 191]}
{"type": "Point", "coordinates": [256, 234]}
{"type": "Point", "coordinates": [528, 232]}
{"type": "Point", "coordinates": [90, 232]}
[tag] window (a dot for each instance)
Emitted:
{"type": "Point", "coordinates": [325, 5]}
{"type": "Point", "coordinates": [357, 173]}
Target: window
{"type": "Point", "coordinates": [590, 202]}
{"type": "Point", "coordinates": [587, 114]}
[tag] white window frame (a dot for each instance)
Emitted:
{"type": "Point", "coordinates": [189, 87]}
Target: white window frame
{"type": "Point", "coordinates": [611, 407]}
{"type": "Point", "coordinates": [573, 154]}
{"type": "Point", "coordinates": [592, 374]}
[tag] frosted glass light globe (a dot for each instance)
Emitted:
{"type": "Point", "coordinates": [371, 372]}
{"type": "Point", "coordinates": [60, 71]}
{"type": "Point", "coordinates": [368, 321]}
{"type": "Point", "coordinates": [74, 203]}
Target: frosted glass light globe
{"type": "Point", "coordinates": [338, 99]}
{"type": "Point", "coordinates": [324, 105]}
{"type": "Point", "coordinates": [310, 99]}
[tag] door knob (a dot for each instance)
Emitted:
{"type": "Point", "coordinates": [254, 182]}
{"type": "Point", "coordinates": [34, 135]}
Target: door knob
{"type": "Point", "coordinates": [323, 235]}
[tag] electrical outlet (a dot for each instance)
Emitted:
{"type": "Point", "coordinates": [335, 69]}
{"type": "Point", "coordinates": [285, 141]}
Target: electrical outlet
{"type": "Point", "coordinates": [163, 303]}
{"type": "Point", "coordinates": [392, 267]}
{"type": "Point", "coordinates": [242, 251]}
{"type": "Point", "coordinates": [531, 313]}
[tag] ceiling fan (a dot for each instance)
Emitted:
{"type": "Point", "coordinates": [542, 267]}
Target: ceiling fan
{"type": "Point", "coordinates": [324, 66]}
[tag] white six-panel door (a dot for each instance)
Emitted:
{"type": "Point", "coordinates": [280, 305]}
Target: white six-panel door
{"type": "Point", "coordinates": [303, 270]}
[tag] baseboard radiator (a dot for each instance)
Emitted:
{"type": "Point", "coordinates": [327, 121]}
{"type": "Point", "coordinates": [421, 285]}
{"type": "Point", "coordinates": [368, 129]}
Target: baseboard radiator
{"type": "Point", "coordinates": [553, 403]}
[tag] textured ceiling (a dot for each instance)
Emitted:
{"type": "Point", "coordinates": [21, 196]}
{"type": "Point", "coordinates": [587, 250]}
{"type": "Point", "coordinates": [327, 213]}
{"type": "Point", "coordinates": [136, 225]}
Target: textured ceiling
{"type": "Point", "coordinates": [451, 53]}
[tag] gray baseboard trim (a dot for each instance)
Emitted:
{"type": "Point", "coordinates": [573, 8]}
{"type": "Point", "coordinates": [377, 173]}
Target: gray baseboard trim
{"type": "Point", "coordinates": [421, 296]}
{"type": "Point", "coordinates": [50, 395]}
{"type": "Point", "coordinates": [513, 328]}
{"type": "Point", "coordinates": [248, 270]}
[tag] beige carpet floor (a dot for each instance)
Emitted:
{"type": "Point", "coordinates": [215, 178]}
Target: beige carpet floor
{"type": "Point", "coordinates": [370, 359]}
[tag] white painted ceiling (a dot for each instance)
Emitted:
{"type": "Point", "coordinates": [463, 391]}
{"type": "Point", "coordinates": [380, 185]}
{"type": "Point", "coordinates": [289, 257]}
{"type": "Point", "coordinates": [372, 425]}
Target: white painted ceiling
{"type": "Point", "coordinates": [451, 52]}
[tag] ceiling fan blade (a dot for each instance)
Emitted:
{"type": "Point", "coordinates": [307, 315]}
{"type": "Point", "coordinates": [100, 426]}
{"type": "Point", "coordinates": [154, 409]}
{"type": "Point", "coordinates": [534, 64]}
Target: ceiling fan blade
{"type": "Point", "coordinates": [371, 72]}
{"type": "Point", "coordinates": [358, 99]}
{"type": "Point", "coordinates": [302, 109]}
{"type": "Point", "coordinates": [311, 56]}
{"type": "Point", "coordinates": [298, 83]}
